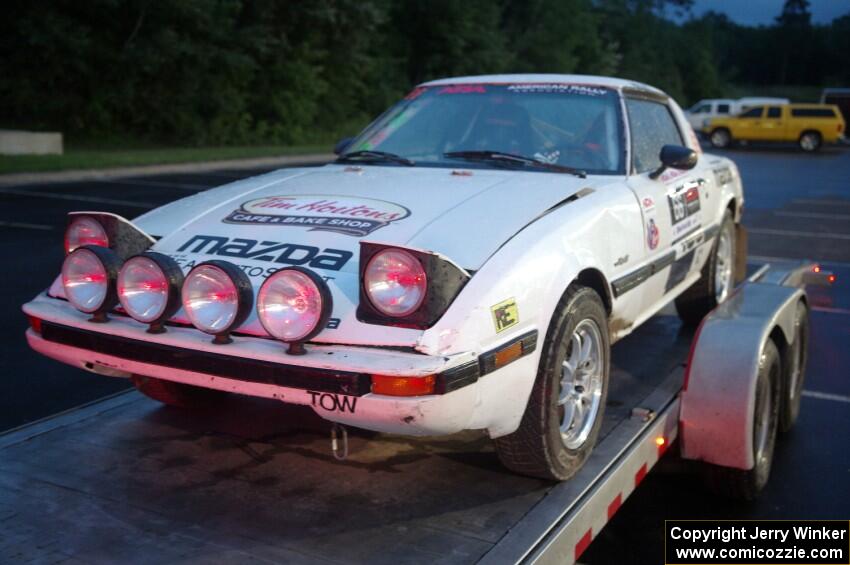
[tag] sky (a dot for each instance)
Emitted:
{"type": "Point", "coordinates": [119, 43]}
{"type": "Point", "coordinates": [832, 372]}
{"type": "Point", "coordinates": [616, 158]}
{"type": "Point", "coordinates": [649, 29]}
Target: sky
{"type": "Point", "coordinates": [763, 12]}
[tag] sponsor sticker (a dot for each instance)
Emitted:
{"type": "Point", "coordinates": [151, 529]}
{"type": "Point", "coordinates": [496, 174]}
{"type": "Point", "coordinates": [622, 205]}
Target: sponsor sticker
{"type": "Point", "coordinates": [505, 314]}
{"type": "Point", "coordinates": [558, 87]}
{"type": "Point", "coordinates": [653, 235]}
{"type": "Point", "coordinates": [342, 214]}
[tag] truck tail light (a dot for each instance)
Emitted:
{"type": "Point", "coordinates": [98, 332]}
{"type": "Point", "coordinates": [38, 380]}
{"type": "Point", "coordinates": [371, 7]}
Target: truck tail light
{"type": "Point", "coordinates": [403, 386]}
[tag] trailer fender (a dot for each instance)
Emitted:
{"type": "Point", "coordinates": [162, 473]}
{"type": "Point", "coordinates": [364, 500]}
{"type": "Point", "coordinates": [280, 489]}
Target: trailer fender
{"type": "Point", "coordinates": [718, 397]}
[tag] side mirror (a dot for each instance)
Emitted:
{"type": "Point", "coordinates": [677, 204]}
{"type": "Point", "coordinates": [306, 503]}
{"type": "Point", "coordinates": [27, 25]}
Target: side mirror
{"type": "Point", "coordinates": [675, 157]}
{"type": "Point", "coordinates": [342, 145]}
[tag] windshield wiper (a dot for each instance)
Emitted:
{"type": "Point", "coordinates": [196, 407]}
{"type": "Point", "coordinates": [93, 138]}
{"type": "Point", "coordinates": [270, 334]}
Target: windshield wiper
{"type": "Point", "coordinates": [507, 158]}
{"type": "Point", "coordinates": [375, 156]}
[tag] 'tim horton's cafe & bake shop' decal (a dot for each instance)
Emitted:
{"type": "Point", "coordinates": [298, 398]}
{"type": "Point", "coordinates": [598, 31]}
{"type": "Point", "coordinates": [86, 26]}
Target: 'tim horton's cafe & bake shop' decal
{"type": "Point", "coordinates": [343, 214]}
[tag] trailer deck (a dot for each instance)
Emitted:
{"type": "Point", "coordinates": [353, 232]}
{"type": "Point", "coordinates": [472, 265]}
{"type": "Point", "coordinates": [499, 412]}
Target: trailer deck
{"type": "Point", "coordinates": [128, 480]}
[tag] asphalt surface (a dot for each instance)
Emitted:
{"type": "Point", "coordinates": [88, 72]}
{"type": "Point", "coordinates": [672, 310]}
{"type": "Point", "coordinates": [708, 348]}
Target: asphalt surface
{"type": "Point", "coordinates": [797, 206]}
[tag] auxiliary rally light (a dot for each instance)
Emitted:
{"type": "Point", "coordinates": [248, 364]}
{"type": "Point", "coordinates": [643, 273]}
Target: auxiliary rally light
{"type": "Point", "coordinates": [217, 298]}
{"type": "Point", "coordinates": [88, 279]}
{"type": "Point", "coordinates": [294, 305]}
{"type": "Point", "coordinates": [149, 288]}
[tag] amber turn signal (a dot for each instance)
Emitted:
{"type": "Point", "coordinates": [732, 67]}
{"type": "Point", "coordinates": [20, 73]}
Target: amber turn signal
{"type": "Point", "coordinates": [403, 386]}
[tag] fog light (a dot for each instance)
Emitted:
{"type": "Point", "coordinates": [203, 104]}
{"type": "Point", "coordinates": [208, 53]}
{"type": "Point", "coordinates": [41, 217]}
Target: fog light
{"type": "Point", "coordinates": [294, 305]}
{"type": "Point", "coordinates": [217, 298]}
{"type": "Point", "coordinates": [149, 289]}
{"type": "Point", "coordinates": [88, 279]}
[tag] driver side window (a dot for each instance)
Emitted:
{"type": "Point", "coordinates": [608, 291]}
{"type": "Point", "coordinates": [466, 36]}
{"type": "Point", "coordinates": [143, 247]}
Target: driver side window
{"type": "Point", "coordinates": [652, 126]}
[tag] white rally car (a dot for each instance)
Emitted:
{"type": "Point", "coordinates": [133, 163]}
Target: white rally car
{"type": "Point", "coordinates": [466, 263]}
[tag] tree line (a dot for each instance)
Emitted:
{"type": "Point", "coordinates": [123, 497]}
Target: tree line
{"type": "Point", "coordinates": [204, 72]}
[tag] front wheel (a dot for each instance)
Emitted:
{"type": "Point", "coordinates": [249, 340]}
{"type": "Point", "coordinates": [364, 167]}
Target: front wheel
{"type": "Point", "coordinates": [716, 280]}
{"type": "Point", "coordinates": [720, 138]}
{"type": "Point", "coordinates": [564, 412]}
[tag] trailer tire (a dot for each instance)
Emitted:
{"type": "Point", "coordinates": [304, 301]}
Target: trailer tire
{"type": "Point", "coordinates": [747, 484]}
{"type": "Point", "coordinates": [576, 350]}
{"type": "Point", "coordinates": [705, 294]}
{"type": "Point", "coordinates": [796, 357]}
{"type": "Point", "coordinates": [175, 394]}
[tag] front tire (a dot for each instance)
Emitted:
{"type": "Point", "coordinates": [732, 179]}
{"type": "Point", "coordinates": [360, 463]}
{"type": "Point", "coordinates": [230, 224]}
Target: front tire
{"type": "Point", "coordinates": [747, 484]}
{"type": "Point", "coordinates": [716, 280]}
{"type": "Point", "coordinates": [720, 138]}
{"type": "Point", "coordinates": [564, 412]}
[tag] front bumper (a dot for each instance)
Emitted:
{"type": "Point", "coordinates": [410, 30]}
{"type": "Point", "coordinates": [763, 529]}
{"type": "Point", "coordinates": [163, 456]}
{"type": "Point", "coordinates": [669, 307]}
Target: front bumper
{"type": "Point", "coordinates": [334, 380]}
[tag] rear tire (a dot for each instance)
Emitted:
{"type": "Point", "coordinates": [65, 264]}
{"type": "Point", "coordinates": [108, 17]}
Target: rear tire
{"type": "Point", "coordinates": [565, 410]}
{"type": "Point", "coordinates": [720, 138]}
{"type": "Point", "coordinates": [796, 357]}
{"type": "Point", "coordinates": [175, 394]}
{"type": "Point", "coordinates": [810, 141]}
{"type": "Point", "coordinates": [717, 279]}
{"type": "Point", "coordinates": [746, 485]}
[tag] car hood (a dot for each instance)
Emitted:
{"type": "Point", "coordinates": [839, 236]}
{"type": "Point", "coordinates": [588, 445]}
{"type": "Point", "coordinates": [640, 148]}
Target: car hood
{"type": "Point", "coordinates": [317, 217]}
{"type": "Point", "coordinates": [465, 215]}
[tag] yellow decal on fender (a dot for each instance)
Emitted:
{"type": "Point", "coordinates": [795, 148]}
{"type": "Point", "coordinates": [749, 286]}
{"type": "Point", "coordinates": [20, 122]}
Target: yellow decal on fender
{"type": "Point", "coordinates": [505, 314]}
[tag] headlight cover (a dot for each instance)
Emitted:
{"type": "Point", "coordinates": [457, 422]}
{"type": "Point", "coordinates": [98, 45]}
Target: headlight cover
{"type": "Point", "coordinates": [84, 230]}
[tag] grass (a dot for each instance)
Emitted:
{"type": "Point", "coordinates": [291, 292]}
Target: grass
{"type": "Point", "coordinates": [83, 158]}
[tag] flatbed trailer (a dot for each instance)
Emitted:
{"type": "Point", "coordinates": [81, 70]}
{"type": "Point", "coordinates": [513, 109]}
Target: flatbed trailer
{"type": "Point", "coordinates": [127, 480]}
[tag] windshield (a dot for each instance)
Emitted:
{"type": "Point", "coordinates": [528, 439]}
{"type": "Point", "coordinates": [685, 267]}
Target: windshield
{"type": "Point", "coordinates": [574, 126]}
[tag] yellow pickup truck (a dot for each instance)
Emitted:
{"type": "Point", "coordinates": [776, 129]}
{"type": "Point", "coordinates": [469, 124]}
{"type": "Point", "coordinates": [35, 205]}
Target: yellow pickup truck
{"type": "Point", "coordinates": [809, 125]}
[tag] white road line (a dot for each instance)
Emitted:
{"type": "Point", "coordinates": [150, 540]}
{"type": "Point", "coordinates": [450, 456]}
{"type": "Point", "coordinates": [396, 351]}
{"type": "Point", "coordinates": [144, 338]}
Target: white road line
{"type": "Point", "coordinates": [817, 215]}
{"type": "Point", "coordinates": [826, 396]}
{"type": "Point", "coordinates": [792, 233]}
{"type": "Point", "coordinates": [830, 310]}
{"type": "Point", "coordinates": [822, 201]}
{"type": "Point", "coordinates": [77, 198]}
{"type": "Point", "coordinates": [164, 184]}
{"type": "Point", "coordinates": [25, 226]}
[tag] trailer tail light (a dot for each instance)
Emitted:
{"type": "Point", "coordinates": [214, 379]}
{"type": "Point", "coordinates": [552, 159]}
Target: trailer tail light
{"type": "Point", "coordinates": [35, 323]}
{"type": "Point", "coordinates": [403, 386]}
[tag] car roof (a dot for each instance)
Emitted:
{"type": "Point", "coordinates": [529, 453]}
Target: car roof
{"type": "Point", "coordinates": [585, 80]}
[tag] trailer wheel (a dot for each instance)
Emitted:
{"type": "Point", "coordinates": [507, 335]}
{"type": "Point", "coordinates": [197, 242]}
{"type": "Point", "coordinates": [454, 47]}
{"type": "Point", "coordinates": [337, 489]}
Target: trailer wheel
{"type": "Point", "coordinates": [746, 485]}
{"type": "Point", "coordinates": [564, 412]}
{"type": "Point", "coordinates": [174, 394]}
{"type": "Point", "coordinates": [716, 280]}
{"type": "Point", "coordinates": [796, 357]}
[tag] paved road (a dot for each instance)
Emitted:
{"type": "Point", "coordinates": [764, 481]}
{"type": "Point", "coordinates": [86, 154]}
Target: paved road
{"type": "Point", "coordinates": [797, 206]}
